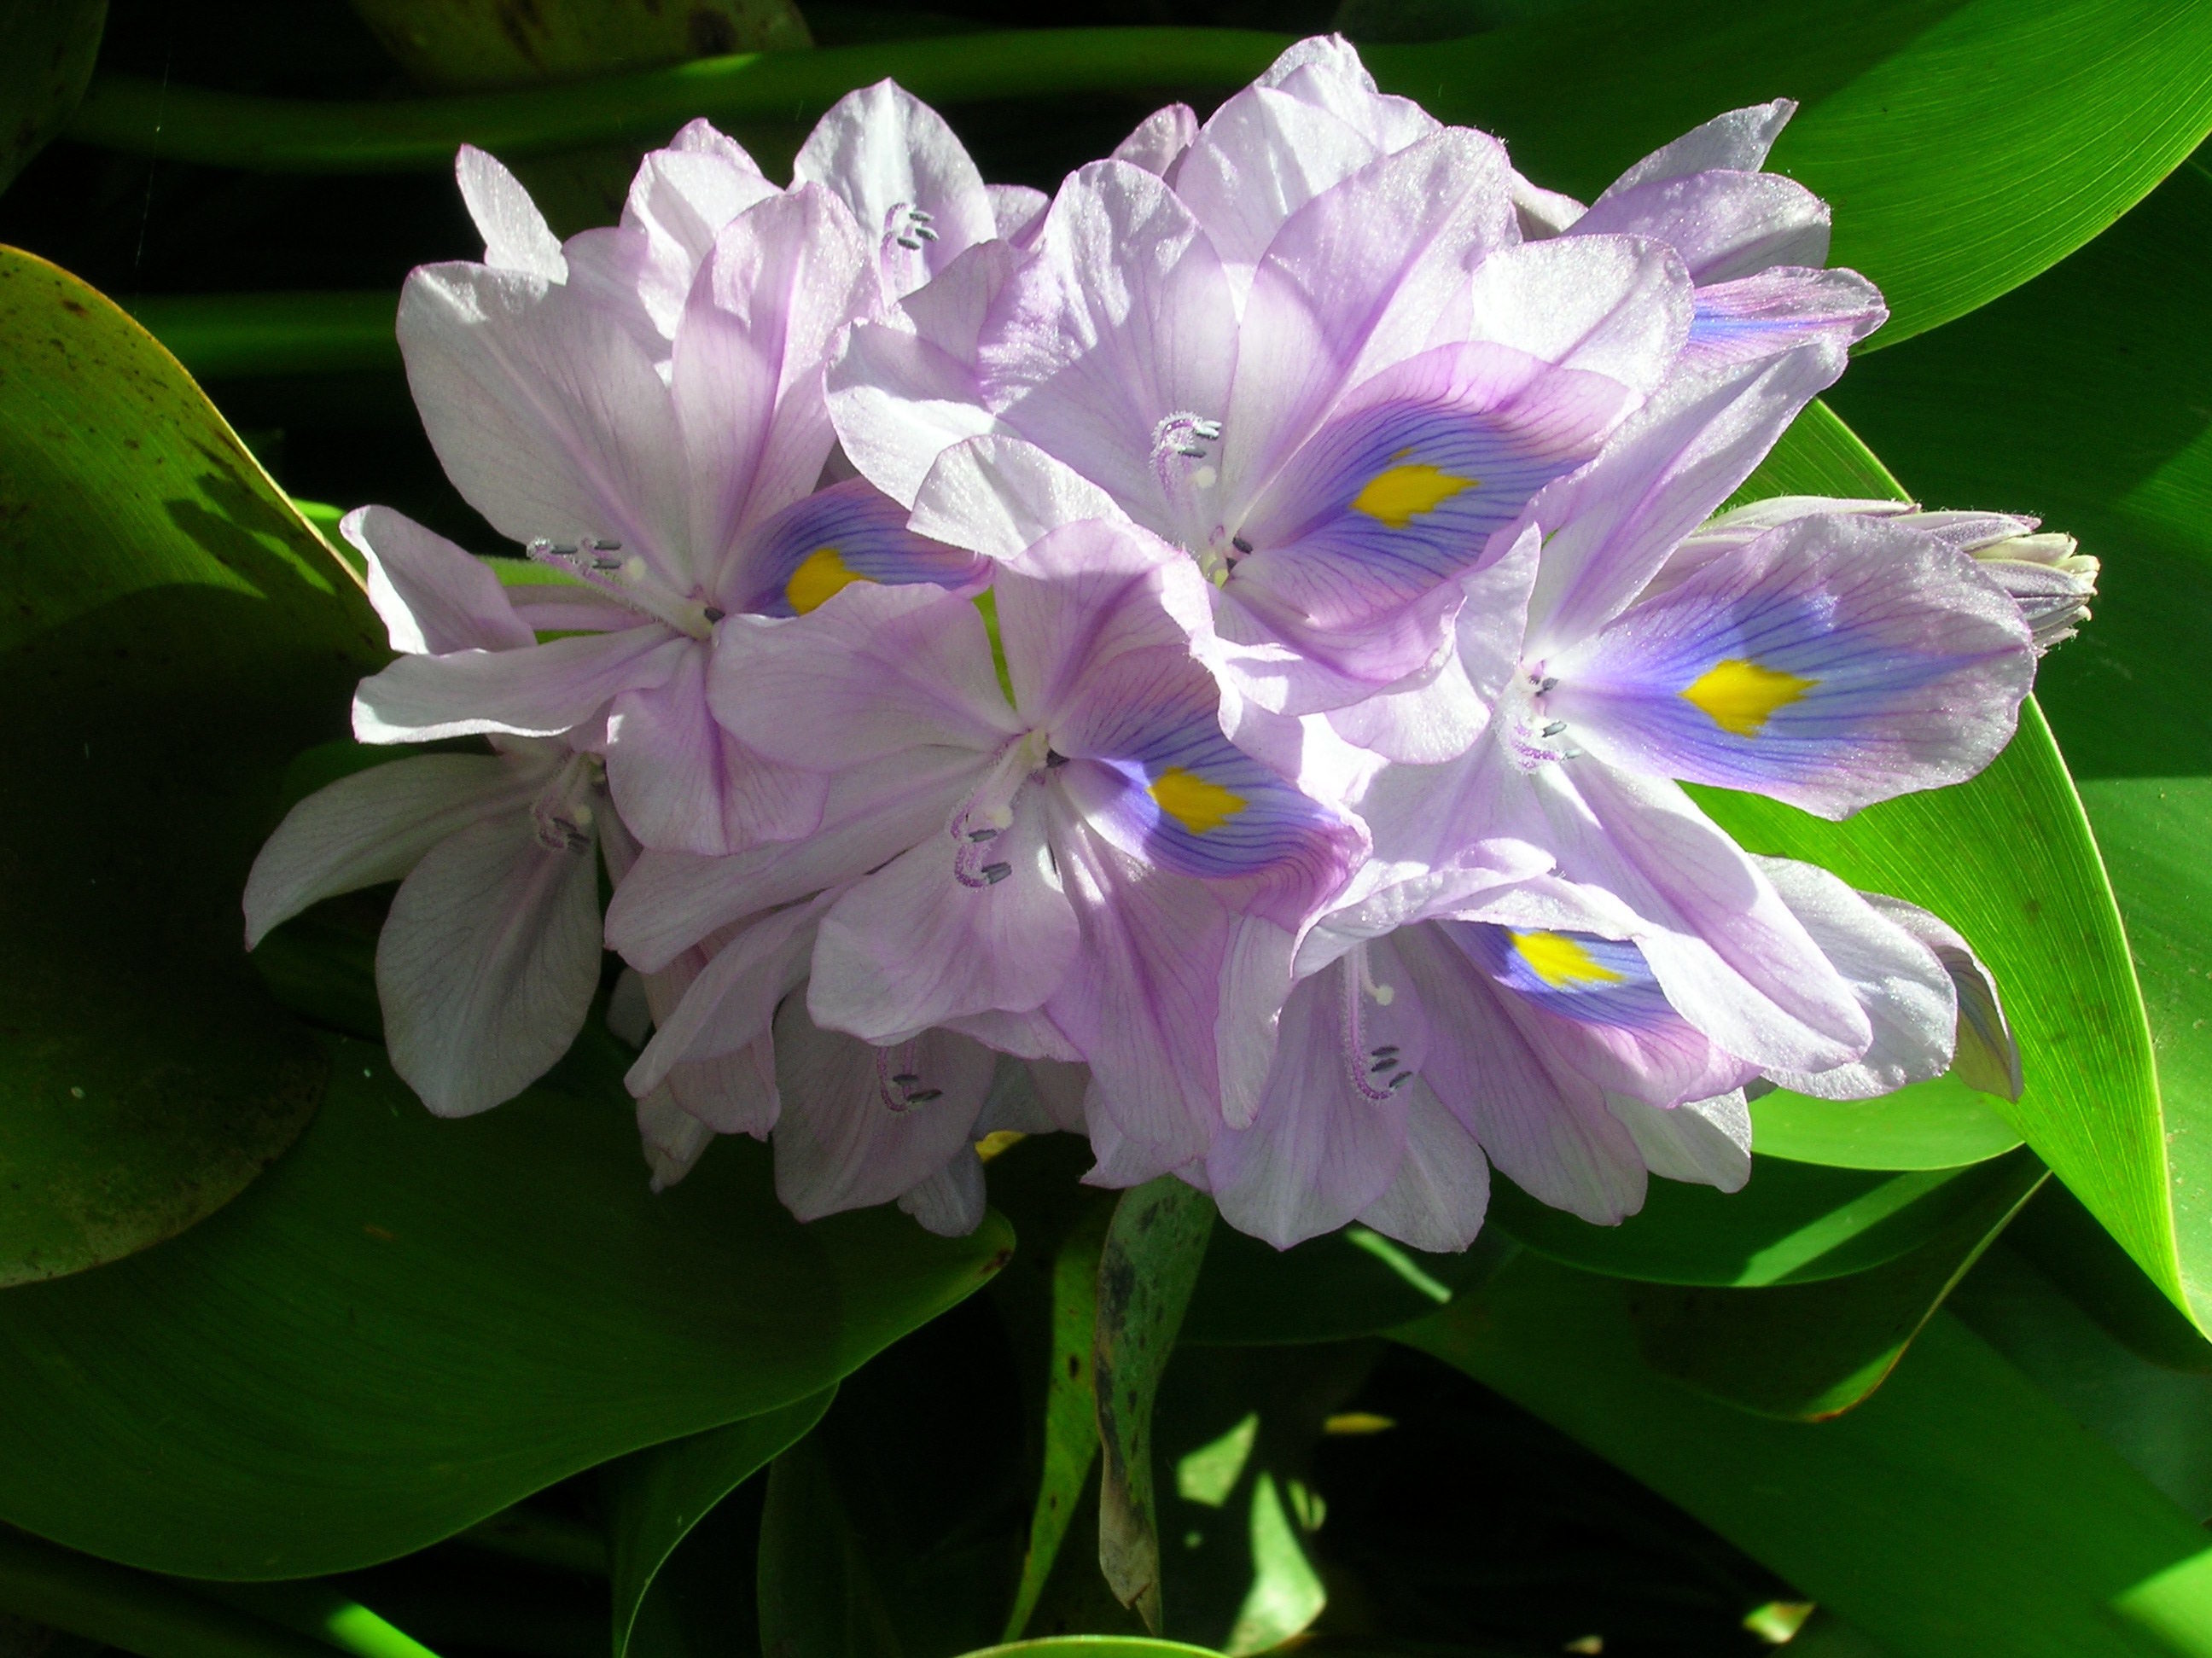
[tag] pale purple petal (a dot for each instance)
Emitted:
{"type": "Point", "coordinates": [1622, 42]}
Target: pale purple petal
{"type": "Point", "coordinates": [516, 235]}
{"type": "Point", "coordinates": [951, 1201]}
{"type": "Point", "coordinates": [886, 154]}
{"type": "Point", "coordinates": [1737, 141]}
{"type": "Point", "coordinates": [919, 942]}
{"type": "Point", "coordinates": [1017, 211]}
{"type": "Point", "coordinates": [375, 826]}
{"type": "Point", "coordinates": [433, 596]}
{"type": "Point", "coordinates": [540, 692]}
{"type": "Point", "coordinates": [1121, 319]}
{"type": "Point", "coordinates": [899, 400]}
{"type": "Point", "coordinates": [1261, 156]}
{"type": "Point", "coordinates": [672, 1138]}
{"type": "Point", "coordinates": [1328, 1135]}
{"type": "Point", "coordinates": [684, 784]}
{"type": "Point", "coordinates": [1538, 1117]}
{"type": "Point", "coordinates": [488, 964]}
{"type": "Point", "coordinates": [1706, 1142]}
{"type": "Point", "coordinates": [1616, 306]}
{"type": "Point", "coordinates": [678, 203]}
{"type": "Point", "coordinates": [1542, 214]}
{"type": "Point", "coordinates": [1724, 224]}
{"type": "Point", "coordinates": [999, 496]}
{"type": "Point", "coordinates": [1835, 662]}
{"type": "Point", "coordinates": [1366, 273]}
{"type": "Point", "coordinates": [1986, 1055]}
{"type": "Point", "coordinates": [852, 1133]}
{"type": "Point", "coordinates": [782, 284]}
{"type": "Point", "coordinates": [1759, 317]}
{"type": "Point", "coordinates": [875, 671]}
{"type": "Point", "coordinates": [546, 413]}
{"type": "Point", "coordinates": [1733, 960]}
{"type": "Point", "coordinates": [1442, 1191]}
{"type": "Point", "coordinates": [726, 1005]}
{"type": "Point", "coordinates": [1611, 526]}
{"type": "Point", "coordinates": [1325, 71]}
{"type": "Point", "coordinates": [1907, 994]}
{"type": "Point", "coordinates": [1160, 141]}
{"type": "Point", "coordinates": [1077, 598]}
{"type": "Point", "coordinates": [671, 900]}
{"type": "Point", "coordinates": [1141, 997]}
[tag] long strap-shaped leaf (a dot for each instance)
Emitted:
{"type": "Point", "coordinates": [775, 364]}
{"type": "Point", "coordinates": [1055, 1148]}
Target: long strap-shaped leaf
{"type": "Point", "coordinates": [1959, 1513]}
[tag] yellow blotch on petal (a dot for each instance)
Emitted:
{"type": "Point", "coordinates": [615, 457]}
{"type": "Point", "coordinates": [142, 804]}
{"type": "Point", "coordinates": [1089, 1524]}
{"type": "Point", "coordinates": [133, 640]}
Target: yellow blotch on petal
{"type": "Point", "coordinates": [1741, 696]}
{"type": "Point", "coordinates": [1561, 961]}
{"type": "Point", "coordinates": [1402, 494]}
{"type": "Point", "coordinates": [821, 575]}
{"type": "Point", "coordinates": [1192, 801]}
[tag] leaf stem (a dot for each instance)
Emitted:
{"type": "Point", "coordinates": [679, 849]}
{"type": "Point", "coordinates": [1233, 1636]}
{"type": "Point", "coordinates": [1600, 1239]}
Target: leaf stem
{"type": "Point", "coordinates": [279, 135]}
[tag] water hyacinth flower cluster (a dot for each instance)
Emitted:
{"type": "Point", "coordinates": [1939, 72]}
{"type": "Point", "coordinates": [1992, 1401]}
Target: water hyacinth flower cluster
{"type": "Point", "coordinates": [1210, 662]}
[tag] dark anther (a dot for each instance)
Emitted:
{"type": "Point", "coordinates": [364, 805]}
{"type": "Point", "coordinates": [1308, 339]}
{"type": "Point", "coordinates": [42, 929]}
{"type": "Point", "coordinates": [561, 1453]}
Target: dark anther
{"type": "Point", "coordinates": [981, 835]}
{"type": "Point", "coordinates": [906, 1078]}
{"type": "Point", "coordinates": [924, 1096]}
{"type": "Point", "coordinates": [1554, 729]}
{"type": "Point", "coordinates": [713, 614]}
{"type": "Point", "coordinates": [1389, 1061]}
{"type": "Point", "coordinates": [1241, 545]}
{"type": "Point", "coordinates": [1386, 1048]}
{"type": "Point", "coordinates": [1054, 761]}
{"type": "Point", "coordinates": [1546, 686]}
{"type": "Point", "coordinates": [995, 873]}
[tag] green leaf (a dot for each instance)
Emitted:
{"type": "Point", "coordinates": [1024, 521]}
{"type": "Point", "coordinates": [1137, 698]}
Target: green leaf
{"type": "Point", "coordinates": [482, 43]}
{"type": "Point", "coordinates": [1793, 1223]}
{"type": "Point", "coordinates": [656, 1496]}
{"type": "Point", "coordinates": [2158, 1418]}
{"type": "Point", "coordinates": [222, 336]}
{"type": "Point", "coordinates": [1964, 145]}
{"type": "Point", "coordinates": [47, 53]}
{"type": "Point", "coordinates": [410, 1323]}
{"type": "Point", "coordinates": [1350, 1283]}
{"type": "Point", "coordinates": [1071, 1407]}
{"type": "Point", "coordinates": [1094, 1646]}
{"type": "Point", "coordinates": [1154, 1245]}
{"type": "Point", "coordinates": [2114, 444]}
{"type": "Point", "coordinates": [1811, 1351]}
{"type": "Point", "coordinates": [1959, 1513]}
{"type": "Point", "coordinates": [1931, 1124]}
{"type": "Point", "coordinates": [174, 633]}
{"type": "Point", "coordinates": [818, 1596]}
{"type": "Point", "coordinates": [138, 1611]}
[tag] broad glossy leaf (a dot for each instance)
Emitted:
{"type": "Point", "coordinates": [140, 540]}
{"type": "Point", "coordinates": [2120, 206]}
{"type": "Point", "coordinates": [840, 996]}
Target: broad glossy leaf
{"type": "Point", "coordinates": [2115, 446]}
{"type": "Point", "coordinates": [47, 53]}
{"type": "Point", "coordinates": [410, 1323]}
{"type": "Point", "coordinates": [2158, 1418]}
{"type": "Point", "coordinates": [1931, 1124]}
{"type": "Point", "coordinates": [1794, 1222]}
{"type": "Point", "coordinates": [1807, 1352]}
{"type": "Point", "coordinates": [655, 1497]}
{"type": "Point", "coordinates": [1146, 1268]}
{"type": "Point", "coordinates": [173, 633]}
{"type": "Point", "coordinates": [818, 1596]}
{"type": "Point", "coordinates": [1959, 1513]}
{"type": "Point", "coordinates": [1964, 145]}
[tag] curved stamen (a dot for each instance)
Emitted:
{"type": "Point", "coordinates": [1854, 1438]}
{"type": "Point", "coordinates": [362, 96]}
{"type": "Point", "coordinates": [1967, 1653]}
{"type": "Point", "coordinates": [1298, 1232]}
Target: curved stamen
{"type": "Point", "coordinates": [629, 582]}
{"type": "Point", "coordinates": [565, 818]}
{"type": "Point", "coordinates": [989, 813]}
{"type": "Point", "coordinates": [901, 1090]}
{"type": "Point", "coordinates": [1363, 1064]}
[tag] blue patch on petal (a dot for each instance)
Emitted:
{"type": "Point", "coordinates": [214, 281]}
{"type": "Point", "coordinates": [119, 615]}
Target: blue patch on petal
{"type": "Point", "coordinates": [1575, 976]}
{"type": "Point", "coordinates": [849, 532]}
{"type": "Point", "coordinates": [1401, 496]}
